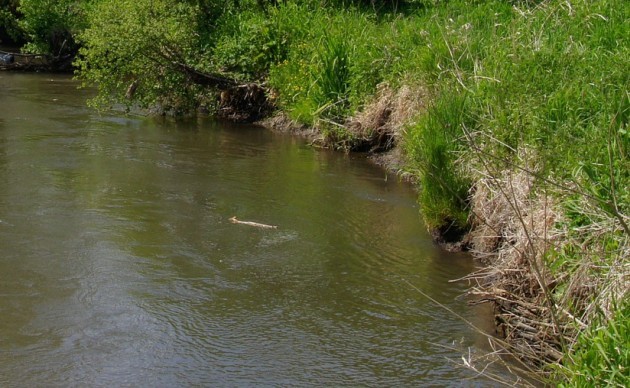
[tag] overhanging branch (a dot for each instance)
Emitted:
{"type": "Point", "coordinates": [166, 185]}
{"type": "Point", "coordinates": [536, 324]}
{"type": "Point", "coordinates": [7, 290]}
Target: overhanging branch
{"type": "Point", "coordinates": [199, 77]}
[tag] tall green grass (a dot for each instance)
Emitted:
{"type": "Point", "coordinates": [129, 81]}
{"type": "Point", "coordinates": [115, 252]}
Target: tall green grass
{"type": "Point", "coordinates": [551, 76]}
{"type": "Point", "coordinates": [334, 66]}
{"type": "Point", "coordinates": [601, 357]}
{"type": "Point", "coordinates": [332, 76]}
{"type": "Point", "coordinates": [434, 141]}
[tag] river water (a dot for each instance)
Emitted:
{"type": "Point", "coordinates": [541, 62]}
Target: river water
{"type": "Point", "coordinates": [119, 266]}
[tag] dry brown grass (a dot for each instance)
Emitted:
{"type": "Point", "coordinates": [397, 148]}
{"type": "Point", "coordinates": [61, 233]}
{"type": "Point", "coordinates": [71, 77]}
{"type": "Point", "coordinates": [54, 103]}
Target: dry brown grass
{"type": "Point", "coordinates": [379, 126]}
{"type": "Point", "coordinates": [518, 229]}
{"type": "Point", "coordinates": [512, 233]}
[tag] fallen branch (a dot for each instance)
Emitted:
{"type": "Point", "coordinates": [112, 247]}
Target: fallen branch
{"type": "Point", "coordinates": [197, 76]}
{"type": "Point", "coordinates": [250, 223]}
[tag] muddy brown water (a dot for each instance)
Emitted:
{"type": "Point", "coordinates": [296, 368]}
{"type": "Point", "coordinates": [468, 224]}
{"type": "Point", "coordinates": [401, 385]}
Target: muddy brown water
{"type": "Point", "coordinates": [119, 266]}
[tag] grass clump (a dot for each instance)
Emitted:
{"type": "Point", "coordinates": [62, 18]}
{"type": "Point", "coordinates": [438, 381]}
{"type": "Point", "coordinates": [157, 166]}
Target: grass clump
{"type": "Point", "coordinates": [433, 145]}
{"type": "Point", "coordinates": [601, 356]}
{"type": "Point", "coordinates": [332, 77]}
{"type": "Point", "coordinates": [322, 76]}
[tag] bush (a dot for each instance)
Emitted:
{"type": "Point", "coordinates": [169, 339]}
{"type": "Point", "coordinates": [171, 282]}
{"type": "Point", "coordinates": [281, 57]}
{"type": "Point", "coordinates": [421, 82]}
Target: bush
{"type": "Point", "coordinates": [9, 27]}
{"type": "Point", "coordinates": [249, 43]}
{"type": "Point", "coordinates": [131, 50]}
{"type": "Point", "coordinates": [51, 26]}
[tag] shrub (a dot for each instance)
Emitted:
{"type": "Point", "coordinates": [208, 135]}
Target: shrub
{"type": "Point", "coordinates": [142, 48]}
{"type": "Point", "coordinates": [51, 26]}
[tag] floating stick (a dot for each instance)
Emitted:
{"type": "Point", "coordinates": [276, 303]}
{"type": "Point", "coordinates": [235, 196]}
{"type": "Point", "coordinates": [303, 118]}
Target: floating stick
{"type": "Point", "coordinates": [256, 224]}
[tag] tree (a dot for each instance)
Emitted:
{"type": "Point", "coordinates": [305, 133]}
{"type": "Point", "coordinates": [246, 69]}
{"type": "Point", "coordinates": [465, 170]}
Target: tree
{"type": "Point", "coordinates": [135, 50]}
{"type": "Point", "coordinates": [9, 29]}
{"type": "Point", "coordinates": [51, 25]}
{"type": "Point", "coordinates": [154, 53]}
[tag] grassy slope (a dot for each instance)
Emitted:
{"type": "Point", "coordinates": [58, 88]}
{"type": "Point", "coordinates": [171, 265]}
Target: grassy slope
{"type": "Point", "coordinates": [541, 87]}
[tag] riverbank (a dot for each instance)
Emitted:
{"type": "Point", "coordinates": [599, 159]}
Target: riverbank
{"type": "Point", "coordinates": [520, 150]}
{"type": "Point", "coordinates": [511, 118]}
{"type": "Point", "coordinates": [121, 267]}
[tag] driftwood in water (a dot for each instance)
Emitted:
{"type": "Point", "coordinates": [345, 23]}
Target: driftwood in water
{"type": "Point", "coordinates": [238, 101]}
{"type": "Point", "coordinates": [250, 223]}
{"type": "Point", "coordinates": [18, 61]}
{"type": "Point", "coordinates": [177, 60]}
{"type": "Point", "coordinates": [208, 79]}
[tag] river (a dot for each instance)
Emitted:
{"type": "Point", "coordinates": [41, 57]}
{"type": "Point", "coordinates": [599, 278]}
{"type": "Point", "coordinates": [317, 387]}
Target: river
{"type": "Point", "coordinates": [119, 266]}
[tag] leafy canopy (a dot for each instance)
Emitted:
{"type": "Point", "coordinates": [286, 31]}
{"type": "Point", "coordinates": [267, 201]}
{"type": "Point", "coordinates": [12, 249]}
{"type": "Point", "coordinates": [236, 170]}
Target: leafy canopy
{"type": "Point", "coordinates": [137, 44]}
{"type": "Point", "coordinates": [142, 51]}
{"type": "Point", "coordinates": [51, 25]}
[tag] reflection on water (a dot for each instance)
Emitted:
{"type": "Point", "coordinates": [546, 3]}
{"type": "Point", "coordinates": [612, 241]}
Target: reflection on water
{"type": "Point", "coordinates": [119, 265]}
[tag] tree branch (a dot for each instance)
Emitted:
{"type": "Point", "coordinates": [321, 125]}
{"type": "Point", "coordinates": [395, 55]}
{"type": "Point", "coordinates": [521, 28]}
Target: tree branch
{"type": "Point", "coordinates": [207, 79]}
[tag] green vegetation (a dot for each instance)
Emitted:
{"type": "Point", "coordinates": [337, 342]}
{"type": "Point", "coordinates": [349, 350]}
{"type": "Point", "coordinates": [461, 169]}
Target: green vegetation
{"type": "Point", "coordinates": [132, 48]}
{"type": "Point", "coordinates": [51, 26]}
{"type": "Point", "coordinates": [8, 20]}
{"type": "Point", "coordinates": [602, 355]}
{"type": "Point", "coordinates": [433, 142]}
{"type": "Point", "coordinates": [525, 109]}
